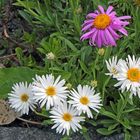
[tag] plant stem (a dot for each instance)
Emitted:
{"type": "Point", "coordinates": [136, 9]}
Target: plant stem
{"type": "Point", "coordinates": [40, 114]}
{"type": "Point", "coordinates": [28, 121]}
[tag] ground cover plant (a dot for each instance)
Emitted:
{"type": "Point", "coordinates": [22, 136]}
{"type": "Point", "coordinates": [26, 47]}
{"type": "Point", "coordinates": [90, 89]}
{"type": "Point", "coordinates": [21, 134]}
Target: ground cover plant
{"type": "Point", "coordinates": [74, 62]}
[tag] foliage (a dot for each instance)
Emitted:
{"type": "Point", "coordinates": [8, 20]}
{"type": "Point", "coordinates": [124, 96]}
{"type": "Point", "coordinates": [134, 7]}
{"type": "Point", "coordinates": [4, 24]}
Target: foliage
{"type": "Point", "coordinates": [10, 76]}
{"type": "Point", "coordinates": [56, 28]}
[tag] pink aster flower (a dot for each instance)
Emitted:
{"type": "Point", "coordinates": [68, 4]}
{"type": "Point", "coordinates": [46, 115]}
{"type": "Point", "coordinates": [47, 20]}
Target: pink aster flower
{"type": "Point", "coordinates": [102, 27]}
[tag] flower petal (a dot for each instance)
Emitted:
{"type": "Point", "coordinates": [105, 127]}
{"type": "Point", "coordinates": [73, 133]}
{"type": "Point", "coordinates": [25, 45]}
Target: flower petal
{"type": "Point", "coordinates": [101, 9]}
{"type": "Point", "coordinates": [110, 39]}
{"type": "Point", "coordinates": [123, 31]}
{"type": "Point", "coordinates": [110, 8]}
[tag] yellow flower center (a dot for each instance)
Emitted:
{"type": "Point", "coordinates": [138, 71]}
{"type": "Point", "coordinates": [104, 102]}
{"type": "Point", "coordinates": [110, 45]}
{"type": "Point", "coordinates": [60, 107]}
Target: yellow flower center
{"type": "Point", "coordinates": [133, 74]}
{"type": "Point", "coordinates": [84, 100]}
{"type": "Point", "coordinates": [24, 97]}
{"type": "Point", "coordinates": [101, 21]}
{"type": "Point", "coordinates": [51, 91]}
{"type": "Point", "coordinates": [67, 117]}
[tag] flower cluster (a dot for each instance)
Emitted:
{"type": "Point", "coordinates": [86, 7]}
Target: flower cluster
{"type": "Point", "coordinates": [127, 72]}
{"type": "Point", "coordinates": [102, 27]}
{"type": "Point", "coordinates": [66, 107]}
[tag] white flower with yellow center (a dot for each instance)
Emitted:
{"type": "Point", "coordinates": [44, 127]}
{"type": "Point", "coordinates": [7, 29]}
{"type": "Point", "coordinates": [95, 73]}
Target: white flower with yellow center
{"type": "Point", "coordinates": [49, 91]}
{"type": "Point", "coordinates": [113, 66]}
{"type": "Point", "coordinates": [65, 118]}
{"type": "Point", "coordinates": [129, 76]}
{"type": "Point", "coordinates": [85, 99]}
{"type": "Point", "coordinates": [21, 98]}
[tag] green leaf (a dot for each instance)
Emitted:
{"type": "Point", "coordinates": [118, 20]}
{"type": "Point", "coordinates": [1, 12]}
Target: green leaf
{"type": "Point", "coordinates": [44, 112]}
{"type": "Point", "coordinates": [113, 106]}
{"type": "Point", "coordinates": [47, 122]}
{"type": "Point", "coordinates": [105, 131]}
{"type": "Point", "coordinates": [130, 110]}
{"type": "Point", "coordinates": [125, 123]}
{"type": "Point", "coordinates": [84, 129]}
{"type": "Point", "coordinates": [83, 66]}
{"type": "Point", "coordinates": [68, 42]}
{"type": "Point", "coordinates": [9, 76]}
{"type": "Point", "coordinates": [26, 16]}
{"type": "Point", "coordinates": [107, 121]}
{"type": "Point", "coordinates": [127, 135]}
{"type": "Point", "coordinates": [108, 114]}
{"type": "Point", "coordinates": [26, 4]}
{"type": "Point", "coordinates": [136, 123]}
{"type": "Point", "coordinates": [111, 127]}
{"type": "Point", "coordinates": [19, 54]}
{"type": "Point", "coordinates": [92, 122]}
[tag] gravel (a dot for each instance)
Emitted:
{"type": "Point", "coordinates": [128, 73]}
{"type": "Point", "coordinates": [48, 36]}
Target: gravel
{"type": "Point", "coordinates": [21, 133]}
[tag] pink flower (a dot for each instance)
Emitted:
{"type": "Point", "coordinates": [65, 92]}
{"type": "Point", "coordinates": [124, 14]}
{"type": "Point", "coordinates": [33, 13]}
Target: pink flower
{"type": "Point", "coordinates": [102, 27]}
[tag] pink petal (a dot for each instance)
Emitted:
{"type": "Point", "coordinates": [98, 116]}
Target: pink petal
{"type": "Point", "coordinates": [87, 27]}
{"type": "Point", "coordinates": [87, 35]}
{"type": "Point", "coordinates": [87, 22]}
{"type": "Point", "coordinates": [101, 9]}
{"type": "Point", "coordinates": [99, 39]}
{"type": "Point", "coordinates": [110, 8]}
{"type": "Point", "coordinates": [112, 14]}
{"type": "Point", "coordinates": [124, 17]}
{"type": "Point", "coordinates": [103, 37]}
{"type": "Point", "coordinates": [97, 12]}
{"type": "Point", "coordinates": [113, 33]}
{"type": "Point", "coordinates": [94, 36]}
{"type": "Point", "coordinates": [91, 15]}
{"type": "Point", "coordinates": [115, 24]}
{"type": "Point", "coordinates": [110, 39]}
{"type": "Point", "coordinates": [123, 23]}
{"type": "Point", "coordinates": [123, 31]}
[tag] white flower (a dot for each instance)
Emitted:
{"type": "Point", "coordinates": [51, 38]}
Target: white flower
{"type": "Point", "coordinates": [129, 75]}
{"type": "Point", "coordinates": [49, 91]}
{"type": "Point", "coordinates": [85, 99]}
{"type": "Point", "coordinates": [65, 118]}
{"type": "Point", "coordinates": [113, 66]}
{"type": "Point", "coordinates": [21, 98]}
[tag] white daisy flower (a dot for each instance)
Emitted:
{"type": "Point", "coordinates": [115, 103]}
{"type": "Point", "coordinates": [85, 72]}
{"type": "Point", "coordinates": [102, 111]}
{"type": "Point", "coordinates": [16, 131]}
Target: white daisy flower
{"type": "Point", "coordinates": [65, 118]}
{"type": "Point", "coordinates": [49, 91]}
{"type": "Point", "coordinates": [21, 98]}
{"type": "Point", "coordinates": [85, 99]}
{"type": "Point", "coordinates": [129, 75]}
{"type": "Point", "coordinates": [113, 66]}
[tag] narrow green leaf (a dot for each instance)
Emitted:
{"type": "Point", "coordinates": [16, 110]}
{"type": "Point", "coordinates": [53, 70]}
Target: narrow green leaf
{"type": "Point", "coordinates": [83, 66]}
{"type": "Point", "coordinates": [105, 131]}
{"type": "Point", "coordinates": [108, 114]}
{"type": "Point", "coordinates": [113, 126]}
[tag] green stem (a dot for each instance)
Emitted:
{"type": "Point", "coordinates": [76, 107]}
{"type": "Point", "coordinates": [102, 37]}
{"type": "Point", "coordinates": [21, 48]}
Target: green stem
{"type": "Point", "coordinates": [95, 63]}
{"type": "Point", "coordinates": [40, 114]}
{"type": "Point", "coordinates": [104, 87]}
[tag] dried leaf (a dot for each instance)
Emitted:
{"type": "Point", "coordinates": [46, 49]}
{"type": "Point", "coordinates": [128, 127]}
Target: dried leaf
{"type": "Point", "coordinates": [7, 114]}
